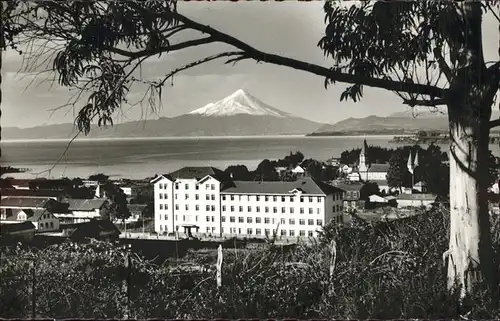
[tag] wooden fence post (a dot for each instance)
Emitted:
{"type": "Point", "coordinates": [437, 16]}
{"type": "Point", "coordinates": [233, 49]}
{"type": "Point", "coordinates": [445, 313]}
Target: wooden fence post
{"type": "Point", "coordinates": [219, 266]}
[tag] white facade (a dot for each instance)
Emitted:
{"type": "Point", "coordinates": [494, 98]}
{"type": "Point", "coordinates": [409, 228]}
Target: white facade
{"type": "Point", "coordinates": [235, 211]}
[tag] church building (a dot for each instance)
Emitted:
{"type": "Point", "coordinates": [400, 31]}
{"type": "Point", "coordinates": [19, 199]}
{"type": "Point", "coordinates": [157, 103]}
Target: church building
{"type": "Point", "coordinates": [372, 172]}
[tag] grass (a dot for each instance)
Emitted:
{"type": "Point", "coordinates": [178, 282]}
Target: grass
{"type": "Point", "coordinates": [382, 270]}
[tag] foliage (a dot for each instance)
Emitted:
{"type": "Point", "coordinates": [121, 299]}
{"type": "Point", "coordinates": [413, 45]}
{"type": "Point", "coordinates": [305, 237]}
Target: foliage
{"type": "Point", "coordinates": [239, 172]}
{"type": "Point", "coordinates": [101, 178]}
{"type": "Point", "coordinates": [265, 171]}
{"type": "Point", "coordinates": [313, 168]}
{"type": "Point", "coordinates": [368, 189]}
{"type": "Point", "coordinates": [375, 154]}
{"type": "Point", "coordinates": [382, 270]}
{"type": "Point", "coordinates": [117, 209]}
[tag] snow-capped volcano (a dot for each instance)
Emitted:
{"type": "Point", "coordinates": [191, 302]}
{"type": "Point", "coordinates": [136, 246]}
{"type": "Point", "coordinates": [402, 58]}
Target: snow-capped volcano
{"type": "Point", "coordinates": [239, 103]}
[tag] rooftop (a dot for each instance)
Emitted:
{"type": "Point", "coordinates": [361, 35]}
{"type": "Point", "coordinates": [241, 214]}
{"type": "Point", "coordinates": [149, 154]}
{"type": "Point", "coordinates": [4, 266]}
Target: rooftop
{"type": "Point", "coordinates": [379, 168]}
{"type": "Point", "coordinates": [417, 197]}
{"type": "Point", "coordinates": [85, 204]}
{"type": "Point", "coordinates": [16, 227]}
{"type": "Point", "coordinates": [24, 202]}
{"type": "Point", "coordinates": [198, 173]}
{"type": "Point", "coordinates": [306, 185]}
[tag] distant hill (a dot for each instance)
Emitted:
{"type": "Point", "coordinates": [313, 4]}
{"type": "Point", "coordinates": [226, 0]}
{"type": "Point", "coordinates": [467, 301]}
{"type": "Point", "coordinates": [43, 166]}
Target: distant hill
{"type": "Point", "coordinates": [239, 114]}
{"type": "Point", "coordinates": [395, 124]}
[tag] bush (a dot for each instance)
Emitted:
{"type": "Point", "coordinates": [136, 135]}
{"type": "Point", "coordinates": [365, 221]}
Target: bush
{"type": "Point", "coordinates": [384, 270]}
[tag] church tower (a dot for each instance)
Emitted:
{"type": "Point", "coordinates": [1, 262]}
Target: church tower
{"type": "Point", "coordinates": [363, 165]}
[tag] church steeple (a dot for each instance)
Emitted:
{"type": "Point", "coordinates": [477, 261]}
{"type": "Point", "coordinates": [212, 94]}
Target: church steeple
{"type": "Point", "coordinates": [363, 166]}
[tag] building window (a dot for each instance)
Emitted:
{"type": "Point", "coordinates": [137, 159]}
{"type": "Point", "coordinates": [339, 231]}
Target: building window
{"type": "Point", "coordinates": [275, 198]}
{"type": "Point", "coordinates": [319, 199]}
{"type": "Point", "coordinates": [186, 196]}
{"type": "Point", "coordinates": [213, 208]}
{"type": "Point", "coordinates": [212, 187]}
{"type": "Point", "coordinates": [187, 207]}
{"type": "Point", "coordinates": [283, 221]}
{"type": "Point", "coordinates": [222, 219]}
{"type": "Point", "coordinates": [197, 207]}
{"type": "Point", "coordinates": [161, 227]}
{"type": "Point", "coordinates": [196, 218]}
{"type": "Point", "coordinates": [186, 186]}
{"type": "Point", "coordinates": [161, 196]}
{"type": "Point", "coordinates": [257, 209]}
{"type": "Point", "coordinates": [161, 206]}
{"type": "Point", "coordinates": [258, 231]}
{"type": "Point", "coordinates": [249, 209]}
{"type": "Point", "coordinates": [240, 208]}
{"type": "Point", "coordinates": [258, 220]}
{"type": "Point", "coordinates": [232, 208]}
{"type": "Point", "coordinates": [291, 210]}
{"type": "Point", "coordinates": [177, 206]}
{"type": "Point", "coordinates": [196, 196]}
{"type": "Point", "coordinates": [257, 198]}
{"type": "Point", "coordinates": [222, 230]}
{"type": "Point", "coordinates": [249, 220]}
{"type": "Point", "coordinates": [310, 222]}
{"type": "Point", "coordinates": [302, 233]}
{"type": "Point", "coordinates": [249, 231]}
{"type": "Point", "coordinates": [183, 217]}
{"type": "Point", "coordinates": [291, 233]}
{"type": "Point", "coordinates": [302, 222]}
{"type": "Point", "coordinates": [291, 199]}
{"type": "Point", "coordinates": [283, 210]}
{"type": "Point", "coordinates": [177, 186]}
{"type": "Point", "coordinates": [291, 221]}
{"type": "Point", "coordinates": [241, 219]}
{"type": "Point", "coordinates": [248, 198]}
{"type": "Point", "coordinates": [301, 199]}
{"type": "Point", "coordinates": [282, 198]}
{"type": "Point", "coordinates": [208, 218]}
{"type": "Point", "coordinates": [207, 187]}
{"type": "Point", "coordinates": [311, 211]}
{"type": "Point", "coordinates": [197, 187]}
{"type": "Point", "coordinates": [165, 195]}
{"type": "Point", "coordinates": [51, 224]}
{"type": "Point", "coordinates": [207, 208]}
{"type": "Point", "coordinates": [161, 186]}
{"type": "Point", "coordinates": [207, 197]}
{"type": "Point", "coordinates": [239, 198]}
{"type": "Point", "coordinates": [223, 208]}
{"type": "Point", "coordinates": [232, 197]}
{"type": "Point", "coordinates": [175, 196]}
{"type": "Point", "coordinates": [283, 232]}
{"type": "Point", "coordinates": [266, 198]}
{"type": "Point", "coordinates": [275, 210]}
{"type": "Point", "coordinates": [301, 210]}
{"type": "Point", "coordinates": [266, 220]}
{"type": "Point", "coordinates": [208, 229]}
{"type": "Point", "coordinates": [310, 199]}
{"type": "Point", "coordinates": [317, 210]}
{"type": "Point", "coordinates": [166, 217]}
{"type": "Point", "coordinates": [267, 231]}
{"type": "Point", "coordinates": [319, 222]}
{"type": "Point", "coordinates": [266, 209]}
{"type": "Point", "coordinates": [223, 197]}
{"type": "Point", "coordinates": [232, 219]}
{"type": "Point", "coordinates": [213, 218]}
{"type": "Point", "coordinates": [212, 197]}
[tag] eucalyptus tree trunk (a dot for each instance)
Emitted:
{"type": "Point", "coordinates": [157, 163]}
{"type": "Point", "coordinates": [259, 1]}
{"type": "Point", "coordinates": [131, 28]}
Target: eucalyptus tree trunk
{"type": "Point", "coordinates": [470, 255]}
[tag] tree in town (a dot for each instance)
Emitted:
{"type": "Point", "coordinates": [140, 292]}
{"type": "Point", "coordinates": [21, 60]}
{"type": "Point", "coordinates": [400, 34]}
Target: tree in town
{"type": "Point", "coordinates": [266, 171]}
{"type": "Point", "coordinates": [397, 175]}
{"type": "Point", "coordinates": [313, 168]}
{"type": "Point", "coordinates": [239, 172]}
{"type": "Point", "coordinates": [427, 52]}
{"type": "Point", "coordinates": [369, 188]}
{"type": "Point", "coordinates": [100, 178]}
{"type": "Point", "coordinates": [117, 208]}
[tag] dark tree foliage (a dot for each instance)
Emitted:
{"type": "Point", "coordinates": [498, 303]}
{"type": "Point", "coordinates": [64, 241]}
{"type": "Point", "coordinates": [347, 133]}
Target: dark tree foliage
{"type": "Point", "coordinates": [239, 172]}
{"type": "Point", "coordinates": [376, 154]}
{"type": "Point", "coordinates": [101, 178]}
{"type": "Point", "coordinates": [266, 171]}
{"type": "Point", "coordinates": [313, 168]}
{"type": "Point", "coordinates": [369, 188]}
{"type": "Point", "coordinates": [117, 208]}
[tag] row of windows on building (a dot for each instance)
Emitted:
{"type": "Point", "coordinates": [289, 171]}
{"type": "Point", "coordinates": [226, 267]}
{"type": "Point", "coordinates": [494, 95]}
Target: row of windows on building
{"type": "Point", "coordinates": [186, 186]}
{"type": "Point", "coordinates": [266, 198]}
{"type": "Point", "coordinates": [45, 225]}
{"type": "Point", "coordinates": [208, 208]}
{"type": "Point", "coordinates": [250, 231]}
{"type": "Point", "coordinates": [251, 220]}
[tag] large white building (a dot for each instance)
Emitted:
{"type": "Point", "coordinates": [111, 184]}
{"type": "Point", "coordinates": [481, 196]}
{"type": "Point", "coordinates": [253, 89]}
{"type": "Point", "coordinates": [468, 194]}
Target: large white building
{"type": "Point", "coordinates": [206, 199]}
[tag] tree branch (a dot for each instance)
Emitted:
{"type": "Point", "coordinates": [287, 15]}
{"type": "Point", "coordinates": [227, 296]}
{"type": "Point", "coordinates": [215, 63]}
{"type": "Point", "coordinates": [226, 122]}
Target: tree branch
{"type": "Point", "coordinates": [494, 123]}
{"type": "Point", "coordinates": [259, 56]}
{"type": "Point", "coordinates": [202, 61]}
{"type": "Point", "coordinates": [159, 50]}
{"type": "Point", "coordinates": [425, 102]}
{"type": "Point", "coordinates": [443, 66]}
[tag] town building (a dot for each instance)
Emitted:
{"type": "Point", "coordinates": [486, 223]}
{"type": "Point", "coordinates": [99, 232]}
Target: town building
{"type": "Point", "coordinates": [81, 210]}
{"type": "Point", "coordinates": [415, 200]}
{"type": "Point", "coordinates": [372, 172]}
{"type": "Point", "coordinates": [206, 199]}
{"type": "Point", "coordinates": [352, 193]}
{"type": "Point", "coordinates": [42, 219]}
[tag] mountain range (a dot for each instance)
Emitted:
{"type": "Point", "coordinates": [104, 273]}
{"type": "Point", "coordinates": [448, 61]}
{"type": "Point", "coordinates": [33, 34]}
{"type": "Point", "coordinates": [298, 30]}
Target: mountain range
{"type": "Point", "coordinates": [239, 114]}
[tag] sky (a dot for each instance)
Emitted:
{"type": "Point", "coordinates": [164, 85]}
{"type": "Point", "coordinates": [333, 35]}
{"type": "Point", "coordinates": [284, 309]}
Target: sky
{"type": "Point", "coordinates": [289, 28]}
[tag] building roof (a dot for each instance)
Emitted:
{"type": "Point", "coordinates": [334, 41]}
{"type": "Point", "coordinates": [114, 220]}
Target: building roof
{"type": "Point", "coordinates": [16, 227]}
{"type": "Point", "coordinates": [31, 193]}
{"type": "Point", "coordinates": [25, 202]}
{"type": "Point", "coordinates": [85, 204]}
{"type": "Point", "coordinates": [31, 215]}
{"type": "Point", "coordinates": [417, 197]}
{"type": "Point", "coordinates": [379, 168]}
{"type": "Point", "coordinates": [190, 172]}
{"type": "Point", "coordinates": [90, 229]}
{"type": "Point", "coordinates": [306, 185]}
{"type": "Point", "coordinates": [136, 207]}
{"type": "Point", "coordinates": [377, 198]}
{"type": "Point", "coordinates": [380, 182]}
{"type": "Point", "coordinates": [349, 187]}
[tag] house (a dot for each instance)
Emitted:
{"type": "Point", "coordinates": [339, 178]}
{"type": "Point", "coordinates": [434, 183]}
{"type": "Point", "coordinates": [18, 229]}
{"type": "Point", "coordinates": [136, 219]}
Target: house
{"type": "Point", "coordinates": [415, 200]}
{"type": "Point", "coordinates": [377, 199]}
{"type": "Point", "coordinates": [298, 170]}
{"type": "Point", "coordinates": [103, 230]}
{"type": "Point", "coordinates": [354, 177]}
{"type": "Point", "coordinates": [42, 219]}
{"type": "Point", "coordinates": [206, 199]}
{"type": "Point", "coordinates": [351, 200]}
{"type": "Point", "coordinates": [420, 186]}
{"type": "Point", "coordinates": [24, 231]}
{"type": "Point", "coordinates": [9, 204]}
{"type": "Point", "coordinates": [82, 210]}
{"type": "Point", "coordinates": [136, 210]}
{"type": "Point", "coordinates": [346, 169]}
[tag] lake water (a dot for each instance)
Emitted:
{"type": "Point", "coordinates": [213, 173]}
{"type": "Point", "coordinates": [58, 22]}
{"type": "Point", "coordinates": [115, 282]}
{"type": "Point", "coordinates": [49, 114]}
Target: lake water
{"type": "Point", "coordinates": [144, 157]}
